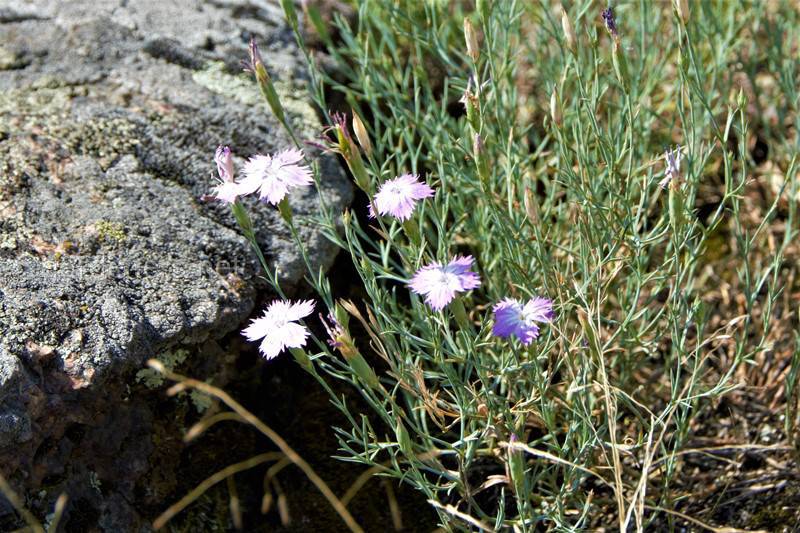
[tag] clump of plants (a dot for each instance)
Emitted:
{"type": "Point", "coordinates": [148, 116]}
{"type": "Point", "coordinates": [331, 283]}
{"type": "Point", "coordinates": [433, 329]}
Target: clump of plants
{"type": "Point", "coordinates": [561, 267]}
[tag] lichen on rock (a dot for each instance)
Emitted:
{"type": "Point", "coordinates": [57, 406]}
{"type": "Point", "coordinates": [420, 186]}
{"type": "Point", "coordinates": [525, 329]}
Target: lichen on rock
{"type": "Point", "coordinates": [109, 117]}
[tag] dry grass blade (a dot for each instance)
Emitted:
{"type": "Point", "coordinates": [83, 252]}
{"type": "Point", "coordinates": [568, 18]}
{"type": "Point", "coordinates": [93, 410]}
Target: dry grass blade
{"type": "Point", "coordinates": [203, 425]}
{"type": "Point", "coordinates": [451, 510]}
{"type": "Point", "coordinates": [730, 447]}
{"type": "Point", "coordinates": [360, 482]}
{"type": "Point", "coordinates": [283, 503]}
{"type": "Point", "coordinates": [275, 469]}
{"type": "Point", "coordinates": [702, 524]}
{"type": "Point", "coordinates": [234, 504]}
{"type": "Point", "coordinates": [394, 506]}
{"type": "Point", "coordinates": [209, 482]}
{"type": "Point", "coordinates": [61, 505]}
{"type": "Point", "coordinates": [553, 458]}
{"type": "Point", "coordinates": [266, 431]}
{"type": "Point", "coordinates": [17, 504]}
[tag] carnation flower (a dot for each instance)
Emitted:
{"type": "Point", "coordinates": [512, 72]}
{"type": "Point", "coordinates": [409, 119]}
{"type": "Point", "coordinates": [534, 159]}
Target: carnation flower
{"type": "Point", "coordinates": [673, 170]}
{"type": "Point", "coordinates": [440, 283]}
{"type": "Point", "coordinates": [273, 176]}
{"type": "Point", "coordinates": [397, 197]}
{"type": "Point", "coordinates": [513, 318]}
{"type": "Point", "coordinates": [278, 327]}
{"type": "Point", "coordinates": [227, 190]}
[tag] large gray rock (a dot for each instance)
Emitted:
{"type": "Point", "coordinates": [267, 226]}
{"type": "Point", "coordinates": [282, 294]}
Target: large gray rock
{"type": "Point", "coordinates": [110, 112]}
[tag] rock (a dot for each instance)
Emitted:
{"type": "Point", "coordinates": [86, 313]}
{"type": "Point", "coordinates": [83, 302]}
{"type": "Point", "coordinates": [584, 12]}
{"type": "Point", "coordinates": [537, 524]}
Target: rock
{"type": "Point", "coordinates": [109, 116]}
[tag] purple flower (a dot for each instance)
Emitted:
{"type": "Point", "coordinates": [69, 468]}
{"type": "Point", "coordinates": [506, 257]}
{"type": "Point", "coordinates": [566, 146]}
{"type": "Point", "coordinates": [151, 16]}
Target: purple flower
{"type": "Point", "coordinates": [334, 136]}
{"type": "Point", "coordinates": [273, 176]}
{"type": "Point", "coordinates": [673, 170]}
{"type": "Point", "coordinates": [610, 21]}
{"type": "Point", "coordinates": [278, 328]}
{"type": "Point", "coordinates": [227, 190]}
{"type": "Point", "coordinates": [440, 283]}
{"type": "Point", "coordinates": [334, 329]}
{"type": "Point", "coordinates": [513, 318]}
{"type": "Point", "coordinates": [255, 58]}
{"type": "Point", "coordinates": [398, 197]}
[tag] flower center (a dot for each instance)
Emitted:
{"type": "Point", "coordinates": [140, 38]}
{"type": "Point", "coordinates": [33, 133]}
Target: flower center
{"type": "Point", "coordinates": [446, 278]}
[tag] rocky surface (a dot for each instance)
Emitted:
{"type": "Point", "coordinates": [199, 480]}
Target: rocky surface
{"type": "Point", "coordinates": [109, 115]}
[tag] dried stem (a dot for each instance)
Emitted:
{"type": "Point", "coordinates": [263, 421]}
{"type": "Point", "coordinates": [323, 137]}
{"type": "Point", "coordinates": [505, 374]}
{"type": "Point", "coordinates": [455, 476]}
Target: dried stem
{"type": "Point", "coordinates": [269, 433]}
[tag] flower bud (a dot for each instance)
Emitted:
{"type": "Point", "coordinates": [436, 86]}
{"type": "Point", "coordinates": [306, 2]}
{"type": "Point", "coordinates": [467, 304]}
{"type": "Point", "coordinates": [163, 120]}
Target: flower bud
{"type": "Point", "coordinates": [243, 219]}
{"type": "Point", "coordinates": [361, 134]}
{"type": "Point", "coordinates": [264, 82]}
{"type": "Point", "coordinates": [610, 22]}
{"type": "Point", "coordinates": [675, 203]}
{"type": "Point", "coordinates": [460, 314]}
{"type": "Point", "coordinates": [346, 147]}
{"type": "Point", "coordinates": [470, 101]}
{"type": "Point", "coordinates": [285, 210]}
{"type": "Point", "coordinates": [404, 439]}
{"type": "Point", "coordinates": [341, 314]}
{"type": "Point", "coordinates": [301, 357]}
{"type": "Point", "coordinates": [340, 339]}
{"type": "Point", "coordinates": [471, 39]}
{"type": "Point", "coordinates": [741, 100]}
{"type": "Point", "coordinates": [362, 369]}
{"type": "Point", "coordinates": [412, 230]}
{"type": "Point", "coordinates": [516, 465]}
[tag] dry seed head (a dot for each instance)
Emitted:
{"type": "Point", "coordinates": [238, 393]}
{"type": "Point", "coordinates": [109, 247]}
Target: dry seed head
{"type": "Point", "coordinates": [361, 134]}
{"type": "Point", "coordinates": [682, 8]}
{"type": "Point", "coordinates": [477, 144]}
{"type": "Point", "coordinates": [569, 31]}
{"type": "Point", "coordinates": [531, 208]}
{"type": "Point", "coordinates": [471, 39]}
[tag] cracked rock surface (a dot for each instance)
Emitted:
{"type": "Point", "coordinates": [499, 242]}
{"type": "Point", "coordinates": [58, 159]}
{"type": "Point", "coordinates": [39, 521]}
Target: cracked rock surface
{"type": "Point", "coordinates": [110, 111]}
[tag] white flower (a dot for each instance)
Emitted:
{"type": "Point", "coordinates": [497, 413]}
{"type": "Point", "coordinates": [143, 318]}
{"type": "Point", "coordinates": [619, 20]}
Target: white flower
{"type": "Point", "coordinates": [273, 176]}
{"type": "Point", "coordinates": [278, 327]}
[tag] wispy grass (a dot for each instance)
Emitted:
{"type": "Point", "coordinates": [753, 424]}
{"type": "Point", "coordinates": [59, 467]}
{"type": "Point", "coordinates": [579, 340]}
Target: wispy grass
{"type": "Point", "coordinates": [546, 150]}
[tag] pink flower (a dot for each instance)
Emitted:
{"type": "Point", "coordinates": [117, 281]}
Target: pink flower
{"type": "Point", "coordinates": [512, 318]}
{"type": "Point", "coordinates": [397, 197]}
{"type": "Point", "coordinates": [273, 176]}
{"type": "Point", "coordinates": [227, 189]}
{"type": "Point", "coordinates": [278, 328]}
{"type": "Point", "coordinates": [440, 283]}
